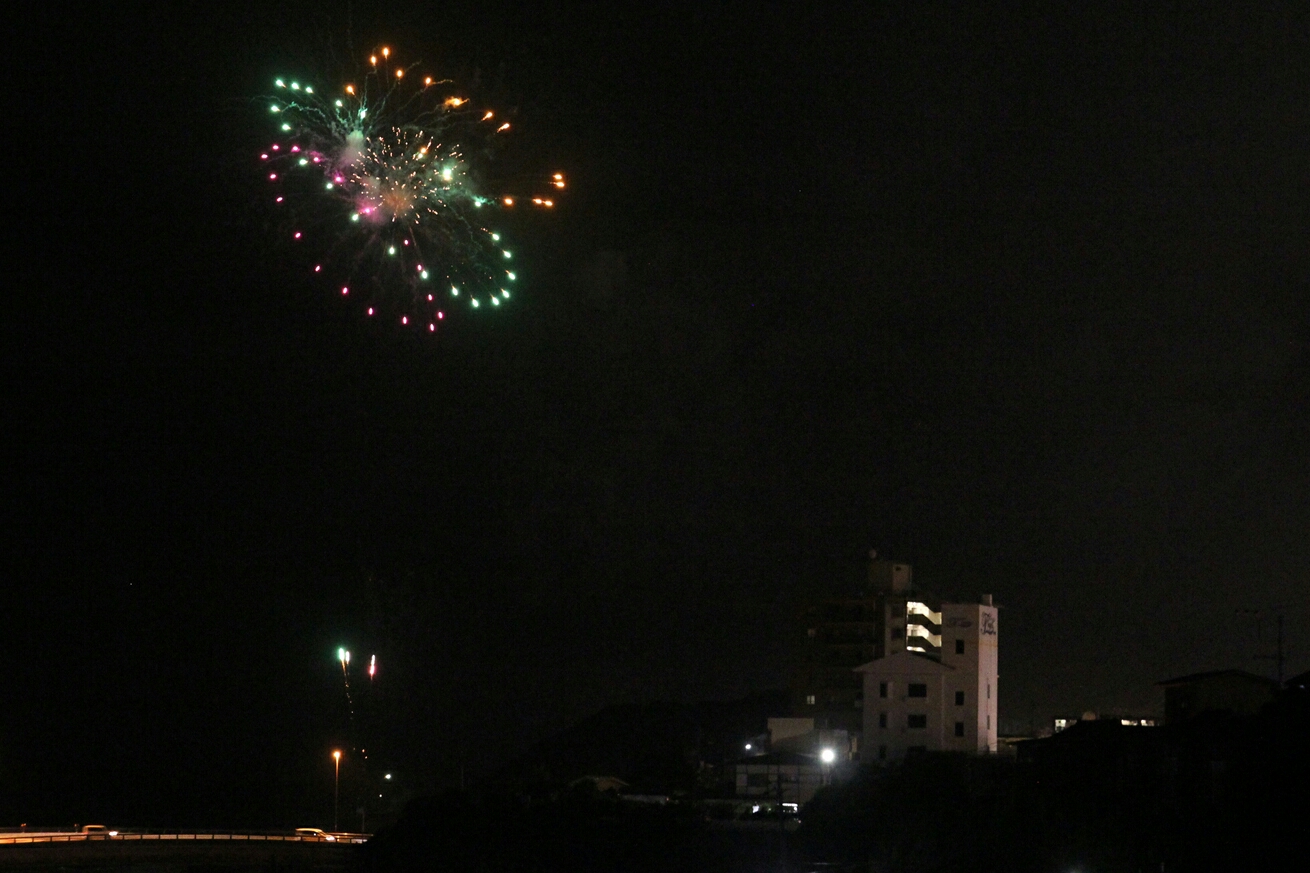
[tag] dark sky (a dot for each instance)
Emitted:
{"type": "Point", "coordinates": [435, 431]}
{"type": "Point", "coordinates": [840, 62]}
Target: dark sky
{"type": "Point", "coordinates": [1018, 298]}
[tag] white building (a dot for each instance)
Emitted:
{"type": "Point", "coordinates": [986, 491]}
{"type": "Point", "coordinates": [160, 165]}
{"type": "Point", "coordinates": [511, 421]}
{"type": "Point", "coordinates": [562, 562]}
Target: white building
{"type": "Point", "coordinates": [939, 692]}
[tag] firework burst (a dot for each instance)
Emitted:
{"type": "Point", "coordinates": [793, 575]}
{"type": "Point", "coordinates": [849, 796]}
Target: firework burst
{"type": "Point", "coordinates": [388, 185]}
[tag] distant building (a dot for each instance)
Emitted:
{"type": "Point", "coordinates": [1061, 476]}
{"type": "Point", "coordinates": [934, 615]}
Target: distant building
{"type": "Point", "coordinates": [1100, 756]}
{"type": "Point", "coordinates": [781, 777]}
{"type": "Point", "coordinates": [800, 735]}
{"type": "Point", "coordinates": [942, 698]}
{"type": "Point", "coordinates": [898, 668]}
{"type": "Point", "coordinates": [839, 634]}
{"type": "Point", "coordinates": [1232, 691]}
{"type": "Point", "coordinates": [1062, 724]}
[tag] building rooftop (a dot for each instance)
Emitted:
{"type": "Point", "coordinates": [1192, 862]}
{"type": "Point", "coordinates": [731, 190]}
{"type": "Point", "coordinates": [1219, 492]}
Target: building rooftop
{"type": "Point", "coordinates": [1215, 674]}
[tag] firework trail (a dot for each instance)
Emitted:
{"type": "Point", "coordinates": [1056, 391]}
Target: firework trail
{"type": "Point", "coordinates": [344, 657]}
{"type": "Point", "coordinates": [387, 179]}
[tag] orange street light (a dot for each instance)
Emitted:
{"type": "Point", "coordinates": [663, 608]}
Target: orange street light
{"type": "Point", "coordinates": [336, 785]}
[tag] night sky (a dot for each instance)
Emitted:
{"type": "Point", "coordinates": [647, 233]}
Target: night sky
{"type": "Point", "coordinates": [1018, 298]}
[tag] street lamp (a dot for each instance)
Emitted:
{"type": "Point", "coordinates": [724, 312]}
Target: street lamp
{"type": "Point", "coordinates": [827, 756]}
{"type": "Point", "coordinates": [336, 786]}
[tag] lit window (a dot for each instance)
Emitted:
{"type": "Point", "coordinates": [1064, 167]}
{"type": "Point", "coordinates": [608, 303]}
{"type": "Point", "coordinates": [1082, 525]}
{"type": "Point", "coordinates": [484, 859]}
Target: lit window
{"type": "Point", "coordinates": [809, 699]}
{"type": "Point", "coordinates": [917, 722]}
{"type": "Point", "coordinates": [918, 689]}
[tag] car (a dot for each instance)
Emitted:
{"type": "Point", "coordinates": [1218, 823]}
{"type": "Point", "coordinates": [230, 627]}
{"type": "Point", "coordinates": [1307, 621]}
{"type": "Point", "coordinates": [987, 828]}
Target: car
{"type": "Point", "coordinates": [317, 834]}
{"type": "Point", "coordinates": [98, 832]}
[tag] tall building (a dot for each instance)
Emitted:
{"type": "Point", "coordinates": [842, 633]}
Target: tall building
{"type": "Point", "coordinates": [885, 639]}
{"type": "Point", "coordinates": [840, 634]}
{"type": "Point", "coordinates": [939, 700]}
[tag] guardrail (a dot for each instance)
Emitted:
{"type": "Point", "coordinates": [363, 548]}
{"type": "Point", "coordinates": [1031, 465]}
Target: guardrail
{"type": "Point", "coordinates": [22, 838]}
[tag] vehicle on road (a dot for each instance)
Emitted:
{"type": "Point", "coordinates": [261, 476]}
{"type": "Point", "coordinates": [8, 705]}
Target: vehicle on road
{"type": "Point", "coordinates": [315, 834]}
{"type": "Point", "coordinates": [98, 832]}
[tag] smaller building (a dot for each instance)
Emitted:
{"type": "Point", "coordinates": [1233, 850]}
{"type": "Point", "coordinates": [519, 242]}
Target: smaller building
{"type": "Point", "coordinates": [800, 735]}
{"type": "Point", "coordinates": [1099, 757]}
{"type": "Point", "coordinates": [1130, 720]}
{"type": "Point", "coordinates": [781, 777]}
{"type": "Point", "coordinates": [1233, 691]}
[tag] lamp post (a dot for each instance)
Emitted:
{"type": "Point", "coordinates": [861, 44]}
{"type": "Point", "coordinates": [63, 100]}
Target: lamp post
{"type": "Point", "coordinates": [827, 756]}
{"type": "Point", "coordinates": [336, 786]}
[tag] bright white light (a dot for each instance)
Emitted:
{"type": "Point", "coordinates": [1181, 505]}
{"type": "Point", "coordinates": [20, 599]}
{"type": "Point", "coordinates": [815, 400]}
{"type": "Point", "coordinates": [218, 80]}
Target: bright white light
{"type": "Point", "coordinates": [828, 756]}
{"type": "Point", "coordinates": [918, 630]}
{"type": "Point", "coordinates": [914, 607]}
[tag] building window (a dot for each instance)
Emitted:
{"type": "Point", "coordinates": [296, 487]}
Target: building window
{"type": "Point", "coordinates": [959, 647]}
{"type": "Point", "coordinates": [814, 632]}
{"type": "Point", "coordinates": [917, 722]}
{"type": "Point", "coordinates": [882, 720]}
{"type": "Point", "coordinates": [959, 728]}
{"type": "Point", "coordinates": [959, 698]}
{"type": "Point", "coordinates": [989, 691]}
{"type": "Point", "coordinates": [882, 753]}
{"type": "Point", "coordinates": [989, 722]}
{"type": "Point", "coordinates": [809, 699]}
{"type": "Point", "coordinates": [918, 689]}
{"type": "Point", "coordinates": [882, 689]}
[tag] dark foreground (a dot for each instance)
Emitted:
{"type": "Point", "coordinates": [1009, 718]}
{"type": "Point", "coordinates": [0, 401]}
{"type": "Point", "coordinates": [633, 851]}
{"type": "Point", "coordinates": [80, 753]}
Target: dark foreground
{"type": "Point", "coordinates": [1216, 793]}
{"type": "Point", "coordinates": [181, 857]}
